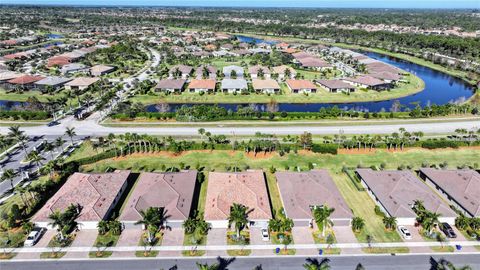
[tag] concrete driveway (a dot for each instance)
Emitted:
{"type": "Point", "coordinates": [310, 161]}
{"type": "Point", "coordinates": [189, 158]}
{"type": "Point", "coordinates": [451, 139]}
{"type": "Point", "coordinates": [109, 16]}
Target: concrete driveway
{"type": "Point", "coordinates": [128, 238]}
{"type": "Point", "coordinates": [43, 242]}
{"type": "Point", "coordinates": [84, 238]}
{"type": "Point", "coordinates": [416, 237]}
{"type": "Point", "coordinates": [256, 239]}
{"type": "Point", "coordinates": [173, 237]}
{"type": "Point", "coordinates": [344, 234]}
{"type": "Point", "coordinates": [217, 237]}
{"type": "Point", "coordinates": [303, 235]}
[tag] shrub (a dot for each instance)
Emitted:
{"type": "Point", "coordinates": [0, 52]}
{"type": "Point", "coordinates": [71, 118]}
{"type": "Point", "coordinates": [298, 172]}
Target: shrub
{"type": "Point", "coordinates": [325, 148]}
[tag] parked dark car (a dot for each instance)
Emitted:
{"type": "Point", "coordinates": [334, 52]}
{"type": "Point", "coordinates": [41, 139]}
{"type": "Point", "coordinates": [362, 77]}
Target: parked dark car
{"type": "Point", "coordinates": [448, 230]}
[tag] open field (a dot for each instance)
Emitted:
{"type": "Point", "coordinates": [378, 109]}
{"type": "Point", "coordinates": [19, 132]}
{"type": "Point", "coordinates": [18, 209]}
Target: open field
{"type": "Point", "coordinates": [414, 85]}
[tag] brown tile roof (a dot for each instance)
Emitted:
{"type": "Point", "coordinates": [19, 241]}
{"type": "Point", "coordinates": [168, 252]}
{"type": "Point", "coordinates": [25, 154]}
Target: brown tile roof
{"type": "Point", "coordinates": [366, 80]}
{"type": "Point", "coordinates": [101, 68]}
{"type": "Point", "coordinates": [182, 68]}
{"type": "Point", "coordinates": [462, 185]}
{"type": "Point", "coordinates": [82, 81]}
{"type": "Point", "coordinates": [300, 84]}
{"type": "Point", "coordinates": [256, 69]}
{"type": "Point", "coordinates": [173, 191]}
{"type": "Point", "coordinates": [282, 69]}
{"type": "Point", "coordinates": [58, 61]}
{"type": "Point", "coordinates": [247, 188]}
{"type": "Point", "coordinates": [301, 55]}
{"type": "Point", "coordinates": [335, 84]}
{"type": "Point", "coordinates": [202, 84]}
{"type": "Point", "coordinates": [265, 84]}
{"type": "Point", "coordinates": [301, 190]}
{"type": "Point", "coordinates": [94, 192]}
{"type": "Point", "coordinates": [25, 79]}
{"type": "Point", "coordinates": [386, 76]}
{"type": "Point", "coordinates": [170, 84]}
{"type": "Point", "coordinates": [313, 62]}
{"type": "Point", "coordinates": [397, 191]}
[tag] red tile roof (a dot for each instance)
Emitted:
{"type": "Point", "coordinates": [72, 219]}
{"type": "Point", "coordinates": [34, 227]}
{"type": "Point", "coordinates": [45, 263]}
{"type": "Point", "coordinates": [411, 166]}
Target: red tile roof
{"type": "Point", "coordinates": [202, 84]}
{"type": "Point", "coordinates": [300, 84]}
{"type": "Point", "coordinates": [25, 79]}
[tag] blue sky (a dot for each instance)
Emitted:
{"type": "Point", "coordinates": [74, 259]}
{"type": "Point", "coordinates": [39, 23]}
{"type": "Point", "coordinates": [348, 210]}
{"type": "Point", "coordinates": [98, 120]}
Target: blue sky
{"type": "Point", "coordinates": [267, 3]}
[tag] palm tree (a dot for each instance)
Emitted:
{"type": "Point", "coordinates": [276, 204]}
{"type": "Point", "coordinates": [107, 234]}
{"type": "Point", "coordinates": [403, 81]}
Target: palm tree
{"type": "Point", "coordinates": [443, 264]}
{"type": "Point", "coordinates": [189, 225]}
{"type": "Point", "coordinates": [59, 142]}
{"type": "Point", "coordinates": [207, 267]}
{"type": "Point", "coordinates": [14, 132]}
{"type": "Point", "coordinates": [102, 227]}
{"type": "Point", "coordinates": [36, 158]}
{"type": "Point", "coordinates": [70, 132]}
{"type": "Point", "coordinates": [152, 219]}
{"type": "Point", "coordinates": [357, 224]}
{"type": "Point", "coordinates": [322, 216]}
{"type": "Point", "coordinates": [429, 221]}
{"type": "Point", "coordinates": [49, 147]}
{"type": "Point", "coordinates": [390, 223]}
{"type": "Point", "coordinates": [239, 216]}
{"type": "Point", "coordinates": [9, 174]}
{"type": "Point", "coordinates": [314, 264]}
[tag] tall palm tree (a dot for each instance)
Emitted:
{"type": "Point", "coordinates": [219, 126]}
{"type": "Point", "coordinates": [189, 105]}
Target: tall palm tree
{"type": "Point", "coordinates": [358, 223]}
{"type": "Point", "coordinates": [429, 221]}
{"type": "Point", "coordinates": [49, 147]}
{"type": "Point", "coordinates": [36, 158]}
{"type": "Point", "coordinates": [239, 217]}
{"type": "Point", "coordinates": [207, 267]}
{"type": "Point", "coordinates": [9, 175]}
{"type": "Point", "coordinates": [152, 219]}
{"type": "Point", "coordinates": [70, 132]}
{"type": "Point", "coordinates": [443, 264]}
{"type": "Point", "coordinates": [322, 216]}
{"type": "Point", "coordinates": [59, 142]}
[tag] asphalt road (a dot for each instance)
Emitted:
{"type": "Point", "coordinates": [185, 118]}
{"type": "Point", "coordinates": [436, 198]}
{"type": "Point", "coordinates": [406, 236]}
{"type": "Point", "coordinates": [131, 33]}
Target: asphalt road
{"type": "Point", "coordinates": [91, 128]}
{"type": "Point", "coordinates": [380, 262]}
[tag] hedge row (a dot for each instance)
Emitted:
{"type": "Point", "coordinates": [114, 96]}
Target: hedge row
{"type": "Point", "coordinates": [325, 148]}
{"type": "Point", "coordinates": [24, 115]}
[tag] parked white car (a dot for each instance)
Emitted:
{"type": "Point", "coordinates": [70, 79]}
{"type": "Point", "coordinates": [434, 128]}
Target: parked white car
{"type": "Point", "coordinates": [34, 236]}
{"type": "Point", "coordinates": [265, 236]}
{"type": "Point", "coordinates": [404, 232]}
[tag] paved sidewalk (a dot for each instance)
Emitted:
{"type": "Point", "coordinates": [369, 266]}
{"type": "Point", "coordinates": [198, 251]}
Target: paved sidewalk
{"type": "Point", "coordinates": [217, 237]}
{"type": "Point", "coordinates": [128, 238]}
{"type": "Point", "coordinates": [344, 234]}
{"type": "Point", "coordinates": [173, 237]}
{"type": "Point", "coordinates": [302, 236]}
{"type": "Point", "coordinates": [84, 238]}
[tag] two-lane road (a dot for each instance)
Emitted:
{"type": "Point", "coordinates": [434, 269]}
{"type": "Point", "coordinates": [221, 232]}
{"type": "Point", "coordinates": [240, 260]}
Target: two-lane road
{"type": "Point", "coordinates": [375, 262]}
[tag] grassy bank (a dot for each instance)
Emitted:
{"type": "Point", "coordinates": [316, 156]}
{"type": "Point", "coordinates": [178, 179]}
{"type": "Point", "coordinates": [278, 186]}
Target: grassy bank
{"type": "Point", "coordinates": [413, 85]}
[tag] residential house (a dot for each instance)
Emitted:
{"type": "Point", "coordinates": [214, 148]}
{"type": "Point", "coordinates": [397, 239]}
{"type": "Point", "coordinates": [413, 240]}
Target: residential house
{"type": "Point", "coordinates": [259, 72]}
{"type": "Point", "coordinates": [234, 85]}
{"type": "Point", "coordinates": [233, 71]}
{"type": "Point", "coordinates": [81, 83]}
{"type": "Point", "coordinates": [267, 86]}
{"type": "Point", "coordinates": [202, 85]}
{"type": "Point", "coordinates": [335, 86]}
{"type": "Point", "coordinates": [99, 70]}
{"type": "Point", "coordinates": [171, 85]}
{"type": "Point", "coordinates": [301, 86]}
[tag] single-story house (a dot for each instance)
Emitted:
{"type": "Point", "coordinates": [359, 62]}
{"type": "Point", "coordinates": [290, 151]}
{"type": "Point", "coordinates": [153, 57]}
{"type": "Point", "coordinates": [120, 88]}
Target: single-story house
{"type": "Point", "coordinates": [53, 82]}
{"type": "Point", "coordinates": [302, 192]}
{"type": "Point", "coordinates": [396, 191]}
{"type": "Point", "coordinates": [314, 63]}
{"type": "Point", "coordinates": [234, 85]}
{"type": "Point", "coordinates": [247, 188]}
{"type": "Point", "coordinates": [171, 85]}
{"type": "Point", "coordinates": [460, 187]}
{"type": "Point", "coordinates": [282, 70]}
{"type": "Point", "coordinates": [9, 75]}
{"type": "Point", "coordinates": [304, 86]}
{"type": "Point", "coordinates": [99, 70]}
{"type": "Point", "coordinates": [24, 82]}
{"type": "Point", "coordinates": [255, 70]}
{"type": "Point", "coordinates": [335, 86]}
{"type": "Point", "coordinates": [81, 83]}
{"type": "Point", "coordinates": [209, 71]}
{"type": "Point", "coordinates": [171, 190]}
{"type": "Point", "coordinates": [229, 70]}
{"type": "Point", "coordinates": [73, 68]}
{"type": "Point", "coordinates": [368, 82]}
{"type": "Point", "coordinates": [182, 71]}
{"type": "Point", "coordinates": [386, 76]}
{"type": "Point", "coordinates": [96, 193]}
{"type": "Point", "coordinates": [267, 86]}
{"type": "Point", "coordinates": [59, 61]}
{"type": "Point", "coordinates": [202, 85]}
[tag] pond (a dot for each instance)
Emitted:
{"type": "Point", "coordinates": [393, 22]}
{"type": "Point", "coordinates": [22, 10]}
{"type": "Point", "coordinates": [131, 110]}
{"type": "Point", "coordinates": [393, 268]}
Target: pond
{"type": "Point", "coordinates": [440, 88]}
{"type": "Point", "coordinates": [254, 40]}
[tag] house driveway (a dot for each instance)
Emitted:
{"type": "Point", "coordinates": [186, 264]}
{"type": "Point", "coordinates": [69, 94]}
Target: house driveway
{"type": "Point", "coordinates": [256, 239]}
{"type": "Point", "coordinates": [128, 238]}
{"type": "Point", "coordinates": [303, 235]}
{"type": "Point", "coordinates": [84, 238]}
{"type": "Point", "coordinates": [43, 242]}
{"type": "Point", "coordinates": [173, 237]}
{"type": "Point", "coordinates": [344, 234]}
{"type": "Point", "coordinates": [461, 237]}
{"type": "Point", "coordinates": [416, 237]}
{"type": "Point", "coordinates": [216, 237]}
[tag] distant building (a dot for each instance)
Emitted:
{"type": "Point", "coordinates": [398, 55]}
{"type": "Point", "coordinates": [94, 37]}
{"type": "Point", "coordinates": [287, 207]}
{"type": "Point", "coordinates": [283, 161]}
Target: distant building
{"type": "Point", "coordinates": [99, 70]}
{"type": "Point", "coordinates": [229, 70]}
{"type": "Point", "coordinates": [301, 86]}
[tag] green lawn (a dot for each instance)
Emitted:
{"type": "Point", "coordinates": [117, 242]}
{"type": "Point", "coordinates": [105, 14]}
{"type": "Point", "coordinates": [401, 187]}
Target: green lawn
{"type": "Point", "coordinates": [319, 239]}
{"type": "Point", "coordinates": [147, 252]}
{"type": "Point", "coordinates": [443, 249]}
{"type": "Point", "coordinates": [106, 240]}
{"type": "Point", "coordinates": [245, 242]}
{"type": "Point", "coordinates": [276, 241]}
{"type": "Point", "coordinates": [56, 246]}
{"type": "Point", "coordinates": [381, 250]}
{"type": "Point", "coordinates": [414, 85]}
{"type": "Point", "coordinates": [189, 240]}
